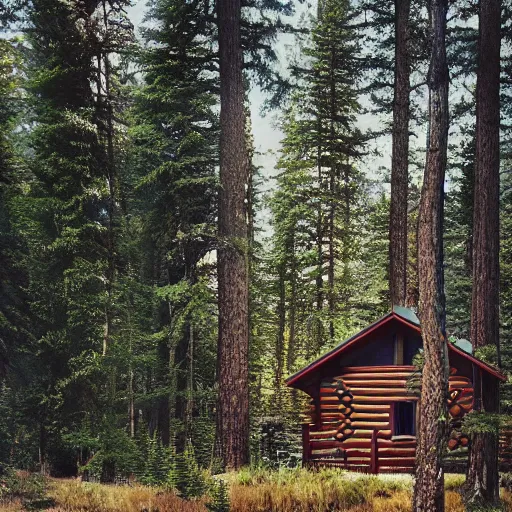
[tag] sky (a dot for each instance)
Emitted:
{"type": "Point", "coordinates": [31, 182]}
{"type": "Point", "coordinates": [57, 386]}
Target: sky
{"type": "Point", "coordinates": [266, 135]}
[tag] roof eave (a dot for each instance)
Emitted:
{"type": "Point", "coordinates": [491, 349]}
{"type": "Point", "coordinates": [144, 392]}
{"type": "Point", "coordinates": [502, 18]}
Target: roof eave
{"type": "Point", "coordinates": [292, 379]}
{"type": "Point", "coordinates": [478, 362]}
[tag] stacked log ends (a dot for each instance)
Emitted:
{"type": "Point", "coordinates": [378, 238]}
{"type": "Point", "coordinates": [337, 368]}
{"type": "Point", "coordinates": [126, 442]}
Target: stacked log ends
{"type": "Point", "coordinates": [346, 409]}
{"type": "Point", "coordinates": [457, 440]}
{"type": "Point", "coordinates": [460, 402]}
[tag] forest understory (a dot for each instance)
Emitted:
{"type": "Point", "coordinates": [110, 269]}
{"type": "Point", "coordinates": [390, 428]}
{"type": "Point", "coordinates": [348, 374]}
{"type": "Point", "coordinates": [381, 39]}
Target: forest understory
{"type": "Point", "coordinates": [256, 490]}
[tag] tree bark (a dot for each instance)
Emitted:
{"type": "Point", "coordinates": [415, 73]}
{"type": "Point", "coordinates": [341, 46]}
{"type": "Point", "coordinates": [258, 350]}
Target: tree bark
{"type": "Point", "coordinates": [281, 314]}
{"type": "Point", "coordinates": [291, 354]}
{"type": "Point", "coordinates": [320, 228]}
{"type": "Point", "coordinates": [400, 158]}
{"type": "Point", "coordinates": [111, 179]}
{"type": "Point", "coordinates": [482, 478]}
{"type": "Point", "coordinates": [232, 363]}
{"type": "Point", "coordinates": [431, 443]}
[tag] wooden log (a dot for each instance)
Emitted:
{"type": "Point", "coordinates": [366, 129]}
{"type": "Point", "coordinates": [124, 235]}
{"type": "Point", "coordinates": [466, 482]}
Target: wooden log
{"type": "Point", "coordinates": [383, 399]}
{"type": "Point", "coordinates": [369, 416]}
{"type": "Point", "coordinates": [396, 452]}
{"type": "Point", "coordinates": [389, 443]}
{"type": "Point", "coordinates": [400, 462]}
{"type": "Point", "coordinates": [319, 444]}
{"type": "Point", "coordinates": [359, 460]}
{"type": "Point", "coordinates": [371, 407]}
{"type": "Point", "coordinates": [346, 410]}
{"type": "Point", "coordinates": [370, 424]}
{"type": "Point", "coordinates": [331, 452]}
{"type": "Point", "coordinates": [380, 391]}
{"type": "Point", "coordinates": [361, 433]}
{"type": "Point", "coordinates": [328, 399]}
{"type": "Point", "coordinates": [456, 411]}
{"type": "Point", "coordinates": [355, 443]}
{"type": "Point", "coordinates": [324, 434]}
{"type": "Point", "coordinates": [453, 443]}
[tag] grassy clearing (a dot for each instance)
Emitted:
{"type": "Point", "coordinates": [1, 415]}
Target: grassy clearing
{"type": "Point", "coordinates": [255, 491]}
{"type": "Point", "coordinates": [75, 496]}
{"type": "Point", "coordinates": [324, 491]}
{"type": "Point", "coordinates": [328, 490]}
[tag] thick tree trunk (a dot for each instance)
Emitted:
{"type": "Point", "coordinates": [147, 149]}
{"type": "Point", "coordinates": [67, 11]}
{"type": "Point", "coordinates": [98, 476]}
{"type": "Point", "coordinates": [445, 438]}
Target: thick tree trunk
{"type": "Point", "coordinates": [482, 478]}
{"type": "Point", "coordinates": [233, 410]}
{"type": "Point", "coordinates": [400, 159]}
{"type": "Point", "coordinates": [431, 447]}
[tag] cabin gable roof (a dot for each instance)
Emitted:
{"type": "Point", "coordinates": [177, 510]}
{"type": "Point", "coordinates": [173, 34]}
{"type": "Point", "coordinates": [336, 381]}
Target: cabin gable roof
{"type": "Point", "coordinates": [406, 317]}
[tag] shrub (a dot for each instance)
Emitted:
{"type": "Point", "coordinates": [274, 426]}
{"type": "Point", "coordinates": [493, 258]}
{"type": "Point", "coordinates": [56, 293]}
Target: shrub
{"type": "Point", "coordinates": [219, 497]}
{"type": "Point", "coordinates": [506, 481]}
{"type": "Point", "coordinates": [27, 488]}
{"type": "Point", "coordinates": [185, 477]}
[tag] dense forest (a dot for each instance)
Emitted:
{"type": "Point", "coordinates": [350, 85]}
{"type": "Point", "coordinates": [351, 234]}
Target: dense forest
{"type": "Point", "coordinates": [157, 284]}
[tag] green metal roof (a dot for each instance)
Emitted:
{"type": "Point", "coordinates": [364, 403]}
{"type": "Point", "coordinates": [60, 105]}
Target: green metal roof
{"type": "Point", "coordinates": [406, 314]}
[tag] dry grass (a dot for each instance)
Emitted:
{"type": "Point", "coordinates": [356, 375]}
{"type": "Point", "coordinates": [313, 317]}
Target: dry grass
{"type": "Point", "coordinates": [324, 491]}
{"type": "Point", "coordinates": [74, 496]}
{"type": "Point", "coordinates": [11, 507]}
{"type": "Point", "coordinates": [258, 491]}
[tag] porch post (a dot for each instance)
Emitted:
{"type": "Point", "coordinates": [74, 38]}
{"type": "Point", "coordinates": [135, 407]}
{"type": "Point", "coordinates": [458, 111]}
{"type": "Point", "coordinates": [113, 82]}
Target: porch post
{"type": "Point", "coordinates": [374, 460]}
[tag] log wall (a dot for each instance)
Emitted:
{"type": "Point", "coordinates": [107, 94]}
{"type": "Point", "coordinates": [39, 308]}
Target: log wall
{"type": "Point", "coordinates": [506, 450]}
{"type": "Point", "coordinates": [352, 423]}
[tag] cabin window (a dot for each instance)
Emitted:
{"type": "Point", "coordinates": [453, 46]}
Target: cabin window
{"type": "Point", "coordinates": [404, 419]}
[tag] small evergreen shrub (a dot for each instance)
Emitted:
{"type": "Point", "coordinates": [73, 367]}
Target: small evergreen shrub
{"type": "Point", "coordinates": [219, 494]}
{"type": "Point", "coordinates": [29, 488]}
{"type": "Point", "coordinates": [185, 477]}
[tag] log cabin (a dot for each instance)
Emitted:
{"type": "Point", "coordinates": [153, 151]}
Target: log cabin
{"type": "Point", "coordinates": [364, 393]}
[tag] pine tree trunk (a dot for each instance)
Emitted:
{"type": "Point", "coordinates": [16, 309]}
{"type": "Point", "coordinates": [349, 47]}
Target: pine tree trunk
{"type": "Point", "coordinates": [331, 258]}
{"type": "Point", "coordinates": [431, 442]}
{"type": "Point", "coordinates": [333, 196]}
{"type": "Point", "coordinates": [400, 159]}
{"type": "Point", "coordinates": [110, 167]}
{"type": "Point", "coordinates": [233, 410]}
{"type": "Point", "coordinates": [482, 478]}
{"type": "Point", "coordinates": [320, 252]}
{"type": "Point", "coordinates": [281, 314]}
{"type": "Point", "coordinates": [131, 404]}
{"type": "Point", "coordinates": [291, 355]}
